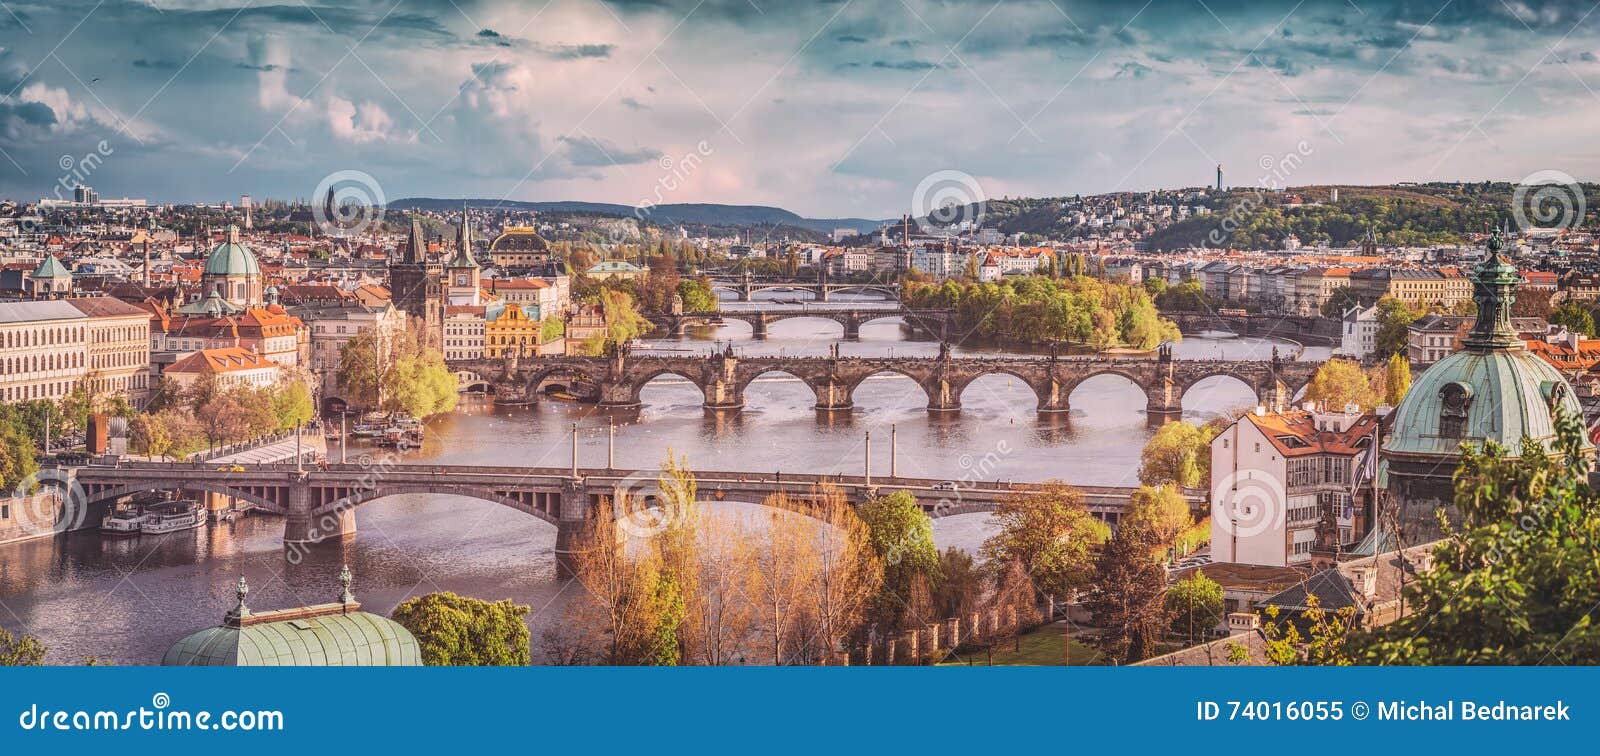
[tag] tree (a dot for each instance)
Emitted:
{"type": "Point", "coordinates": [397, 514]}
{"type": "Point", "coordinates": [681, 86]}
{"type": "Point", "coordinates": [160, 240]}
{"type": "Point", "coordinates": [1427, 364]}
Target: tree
{"type": "Point", "coordinates": [458, 631]}
{"type": "Point", "coordinates": [396, 371]}
{"type": "Point", "coordinates": [20, 650]}
{"type": "Point", "coordinates": [960, 585]}
{"type": "Point", "coordinates": [1339, 383]}
{"type": "Point", "coordinates": [1195, 606]}
{"type": "Point", "coordinates": [1129, 593]}
{"type": "Point", "coordinates": [1397, 380]}
{"type": "Point", "coordinates": [17, 456]}
{"type": "Point", "coordinates": [624, 323]}
{"type": "Point", "coordinates": [1394, 317]}
{"type": "Point", "coordinates": [1051, 534]}
{"type": "Point", "coordinates": [1161, 510]}
{"type": "Point", "coordinates": [291, 404]}
{"type": "Point", "coordinates": [901, 535]}
{"type": "Point", "coordinates": [697, 295]}
{"type": "Point", "coordinates": [1516, 581]}
{"type": "Point", "coordinates": [1340, 299]}
{"type": "Point", "coordinates": [1179, 453]}
{"type": "Point", "coordinates": [1575, 317]}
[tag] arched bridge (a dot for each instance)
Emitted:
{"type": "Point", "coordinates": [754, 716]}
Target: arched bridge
{"type": "Point", "coordinates": [722, 378]}
{"type": "Point", "coordinates": [318, 503]}
{"type": "Point", "coordinates": [940, 323]}
{"type": "Point", "coordinates": [820, 288]}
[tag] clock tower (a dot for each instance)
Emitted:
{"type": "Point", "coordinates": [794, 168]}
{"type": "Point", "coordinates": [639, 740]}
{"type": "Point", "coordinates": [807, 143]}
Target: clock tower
{"type": "Point", "coordinates": [461, 273]}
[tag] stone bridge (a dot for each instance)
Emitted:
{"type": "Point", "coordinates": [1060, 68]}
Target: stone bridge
{"type": "Point", "coordinates": [319, 503]}
{"type": "Point", "coordinates": [940, 323]}
{"type": "Point", "coordinates": [745, 285]}
{"type": "Point", "coordinates": [722, 378]}
{"type": "Point", "coordinates": [1314, 331]}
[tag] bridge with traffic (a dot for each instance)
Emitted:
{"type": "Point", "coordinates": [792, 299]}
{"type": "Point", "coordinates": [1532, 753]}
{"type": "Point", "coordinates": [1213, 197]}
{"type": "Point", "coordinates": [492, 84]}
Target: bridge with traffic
{"type": "Point", "coordinates": [318, 503]}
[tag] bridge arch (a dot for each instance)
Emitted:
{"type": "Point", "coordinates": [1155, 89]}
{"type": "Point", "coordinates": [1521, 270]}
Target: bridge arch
{"type": "Point", "coordinates": [468, 381]}
{"type": "Point", "coordinates": [1137, 386]}
{"type": "Point", "coordinates": [1252, 384]}
{"type": "Point", "coordinates": [256, 495]}
{"type": "Point", "coordinates": [1040, 393]}
{"type": "Point", "coordinates": [644, 379]}
{"type": "Point", "coordinates": [853, 386]}
{"type": "Point", "coordinates": [533, 380]}
{"type": "Point", "coordinates": [544, 507]}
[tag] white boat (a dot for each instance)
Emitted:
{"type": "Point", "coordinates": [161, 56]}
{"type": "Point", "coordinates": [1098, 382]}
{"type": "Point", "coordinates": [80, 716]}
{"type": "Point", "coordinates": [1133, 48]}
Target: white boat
{"type": "Point", "coordinates": [172, 516]}
{"type": "Point", "coordinates": [123, 521]}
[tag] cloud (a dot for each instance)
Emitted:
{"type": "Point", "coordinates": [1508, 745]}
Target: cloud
{"type": "Point", "coordinates": [905, 65]}
{"type": "Point", "coordinates": [590, 152]}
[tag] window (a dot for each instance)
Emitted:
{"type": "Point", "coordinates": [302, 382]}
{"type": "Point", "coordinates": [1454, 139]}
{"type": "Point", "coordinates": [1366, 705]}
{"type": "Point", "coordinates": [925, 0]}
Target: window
{"type": "Point", "coordinates": [1456, 399]}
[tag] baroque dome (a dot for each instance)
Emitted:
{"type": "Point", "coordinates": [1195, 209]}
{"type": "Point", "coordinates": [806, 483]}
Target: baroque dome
{"type": "Point", "coordinates": [1493, 389]}
{"type": "Point", "coordinates": [232, 258]}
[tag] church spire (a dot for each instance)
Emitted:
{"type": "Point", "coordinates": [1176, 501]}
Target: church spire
{"type": "Point", "coordinates": [463, 257]}
{"type": "Point", "coordinates": [1494, 289]}
{"type": "Point", "coordinates": [417, 245]}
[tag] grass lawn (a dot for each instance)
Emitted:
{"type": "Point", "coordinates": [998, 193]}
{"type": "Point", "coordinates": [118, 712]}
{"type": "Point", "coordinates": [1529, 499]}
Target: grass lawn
{"type": "Point", "coordinates": [1038, 648]}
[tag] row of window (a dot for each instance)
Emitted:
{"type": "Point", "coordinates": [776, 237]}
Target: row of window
{"type": "Point", "coordinates": [35, 362]}
{"type": "Point", "coordinates": [54, 390]}
{"type": "Point", "coordinates": [42, 336]}
{"type": "Point", "coordinates": [120, 333]}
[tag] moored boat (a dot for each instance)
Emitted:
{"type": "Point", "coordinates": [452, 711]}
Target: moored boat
{"type": "Point", "coordinates": [172, 516]}
{"type": "Point", "coordinates": [124, 521]}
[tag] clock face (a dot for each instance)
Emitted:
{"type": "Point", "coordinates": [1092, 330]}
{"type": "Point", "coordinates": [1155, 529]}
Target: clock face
{"type": "Point", "coordinates": [461, 279]}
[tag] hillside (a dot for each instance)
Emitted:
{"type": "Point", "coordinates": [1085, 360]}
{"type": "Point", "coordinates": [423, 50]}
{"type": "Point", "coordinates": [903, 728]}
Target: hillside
{"type": "Point", "coordinates": [692, 214]}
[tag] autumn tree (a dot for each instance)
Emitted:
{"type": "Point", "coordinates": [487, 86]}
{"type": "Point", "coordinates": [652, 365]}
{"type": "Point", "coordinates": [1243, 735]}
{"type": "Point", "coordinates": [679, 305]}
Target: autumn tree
{"type": "Point", "coordinates": [1397, 380]}
{"type": "Point", "coordinates": [1339, 383]}
{"type": "Point", "coordinates": [961, 584]}
{"type": "Point", "coordinates": [396, 371]}
{"type": "Point", "coordinates": [1162, 510]}
{"type": "Point", "coordinates": [1051, 534]}
{"type": "Point", "coordinates": [1394, 317]}
{"type": "Point", "coordinates": [617, 616]}
{"type": "Point", "coordinates": [1179, 453]}
{"type": "Point", "coordinates": [459, 631]}
{"type": "Point", "coordinates": [1128, 598]}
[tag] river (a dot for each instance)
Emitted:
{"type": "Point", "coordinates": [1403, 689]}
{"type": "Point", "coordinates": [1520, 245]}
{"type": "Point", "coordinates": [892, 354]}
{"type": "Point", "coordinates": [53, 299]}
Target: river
{"type": "Point", "coordinates": [125, 601]}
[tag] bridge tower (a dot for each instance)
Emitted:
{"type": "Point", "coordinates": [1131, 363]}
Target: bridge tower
{"type": "Point", "coordinates": [722, 390]}
{"type": "Point", "coordinates": [1164, 398]}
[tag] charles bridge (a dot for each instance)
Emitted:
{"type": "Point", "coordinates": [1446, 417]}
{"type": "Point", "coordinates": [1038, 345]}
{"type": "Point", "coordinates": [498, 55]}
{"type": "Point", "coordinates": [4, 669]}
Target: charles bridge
{"type": "Point", "coordinates": [616, 381]}
{"type": "Point", "coordinates": [318, 502]}
{"type": "Point", "coordinates": [939, 323]}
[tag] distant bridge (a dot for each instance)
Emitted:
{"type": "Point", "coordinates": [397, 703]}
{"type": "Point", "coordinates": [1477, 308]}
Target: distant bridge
{"type": "Point", "coordinates": [820, 288]}
{"type": "Point", "coordinates": [319, 504]}
{"type": "Point", "coordinates": [722, 377]}
{"type": "Point", "coordinates": [1303, 329]}
{"type": "Point", "coordinates": [939, 323]}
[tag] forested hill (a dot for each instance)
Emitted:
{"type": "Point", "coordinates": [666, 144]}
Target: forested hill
{"type": "Point", "coordinates": [1400, 215]}
{"type": "Point", "coordinates": [698, 214]}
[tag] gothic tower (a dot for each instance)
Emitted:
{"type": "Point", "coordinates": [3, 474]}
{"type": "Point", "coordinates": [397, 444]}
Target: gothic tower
{"type": "Point", "coordinates": [414, 282]}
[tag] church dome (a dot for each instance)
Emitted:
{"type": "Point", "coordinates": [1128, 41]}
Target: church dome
{"type": "Point", "coordinates": [1494, 389]}
{"type": "Point", "coordinates": [231, 258]}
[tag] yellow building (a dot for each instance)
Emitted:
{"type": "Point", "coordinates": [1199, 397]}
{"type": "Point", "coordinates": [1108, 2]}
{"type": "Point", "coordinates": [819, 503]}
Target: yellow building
{"type": "Point", "coordinates": [510, 330]}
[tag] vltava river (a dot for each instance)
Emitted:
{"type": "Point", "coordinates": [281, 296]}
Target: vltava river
{"type": "Point", "coordinates": [125, 601]}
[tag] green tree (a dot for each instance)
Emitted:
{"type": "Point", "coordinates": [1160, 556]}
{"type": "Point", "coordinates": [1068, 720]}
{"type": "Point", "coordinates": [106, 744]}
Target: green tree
{"type": "Point", "coordinates": [1575, 317]}
{"type": "Point", "coordinates": [1128, 599]}
{"type": "Point", "coordinates": [697, 295]}
{"type": "Point", "coordinates": [1179, 453]}
{"type": "Point", "coordinates": [552, 328]}
{"type": "Point", "coordinates": [17, 456]}
{"type": "Point", "coordinates": [397, 371]}
{"type": "Point", "coordinates": [1338, 383]}
{"type": "Point", "coordinates": [1516, 582]}
{"type": "Point", "coordinates": [663, 649]}
{"type": "Point", "coordinates": [960, 584]}
{"type": "Point", "coordinates": [1394, 317]}
{"type": "Point", "coordinates": [291, 404]}
{"type": "Point", "coordinates": [901, 534]}
{"type": "Point", "coordinates": [624, 323]}
{"type": "Point", "coordinates": [20, 650]}
{"type": "Point", "coordinates": [1162, 510]}
{"type": "Point", "coordinates": [1051, 534]}
{"type": "Point", "coordinates": [1397, 380]}
{"type": "Point", "coordinates": [1195, 606]}
{"type": "Point", "coordinates": [458, 631]}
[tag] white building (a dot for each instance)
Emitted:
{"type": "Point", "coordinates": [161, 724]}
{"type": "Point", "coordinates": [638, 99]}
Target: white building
{"type": "Point", "coordinates": [1274, 475]}
{"type": "Point", "coordinates": [42, 350]}
{"type": "Point", "coordinates": [463, 332]}
{"type": "Point", "coordinates": [1358, 336]}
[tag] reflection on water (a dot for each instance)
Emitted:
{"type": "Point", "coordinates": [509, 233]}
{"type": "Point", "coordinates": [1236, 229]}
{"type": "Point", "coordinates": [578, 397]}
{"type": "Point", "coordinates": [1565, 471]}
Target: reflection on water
{"type": "Point", "coordinates": [125, 601]}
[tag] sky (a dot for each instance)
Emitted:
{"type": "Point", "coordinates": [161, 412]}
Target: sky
{"type": "Point", "coordinates": [827, 108]}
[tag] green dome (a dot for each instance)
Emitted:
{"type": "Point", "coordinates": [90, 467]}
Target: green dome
{"type": "Point", "coordinates": [231, 258]}
{"type": "Point", "coordinates": [330, 640]}
{"type": "Point", "coordinates": [1495, 395]}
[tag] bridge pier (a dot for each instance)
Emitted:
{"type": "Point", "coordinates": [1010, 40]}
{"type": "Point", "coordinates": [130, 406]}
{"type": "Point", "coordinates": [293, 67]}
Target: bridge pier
{"type": "Point", "coordinates": [758, 327]}
{"type": "Point", "coordinates": [833, 397]}
{"type": "Point", "coordinates": [852, 327]}
{"type": "Point", "coordinates": [1157, 414]}
{"type": "Point", "coordinates": [572, 527]}
{"type": "Point", "coordinates": [942, 397]}
{"type": "Point", "coordinates": [303, 527]}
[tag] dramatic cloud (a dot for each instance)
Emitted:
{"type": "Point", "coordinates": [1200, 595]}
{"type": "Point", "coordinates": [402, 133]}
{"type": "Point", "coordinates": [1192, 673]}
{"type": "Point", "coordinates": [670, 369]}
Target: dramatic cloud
{"type": "Point", "coordinates": [830, 108]}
